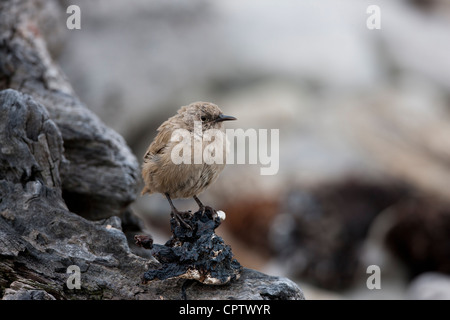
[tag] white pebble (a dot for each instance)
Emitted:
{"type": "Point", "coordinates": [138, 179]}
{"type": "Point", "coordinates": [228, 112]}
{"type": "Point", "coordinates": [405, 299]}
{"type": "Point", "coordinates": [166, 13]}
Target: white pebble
{"type": "Point", "coordinates": [221, 215]}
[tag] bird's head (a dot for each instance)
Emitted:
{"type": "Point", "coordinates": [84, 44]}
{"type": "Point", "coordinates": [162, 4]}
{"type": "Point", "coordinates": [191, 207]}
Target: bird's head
{"type": "Point", "coordinates": [206, 113]}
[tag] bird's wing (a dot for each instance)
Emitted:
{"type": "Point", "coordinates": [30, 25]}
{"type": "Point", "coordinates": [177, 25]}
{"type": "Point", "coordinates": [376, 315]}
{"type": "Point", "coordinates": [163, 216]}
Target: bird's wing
{"type": "Point", "coordinates": [160, 142]}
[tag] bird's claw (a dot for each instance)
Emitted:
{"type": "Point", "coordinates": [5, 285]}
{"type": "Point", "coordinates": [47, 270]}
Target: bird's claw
{"type": "Point", "coordinates": [180, 220]}
{"type": "Point", "coordinates": [211, 209]}
{"type": "Point", "coordinates": [204, 209]}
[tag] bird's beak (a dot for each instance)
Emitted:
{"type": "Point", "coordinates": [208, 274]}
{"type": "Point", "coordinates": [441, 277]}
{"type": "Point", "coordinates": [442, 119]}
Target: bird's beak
{"type": "Point", "coordinates": [222, 117]}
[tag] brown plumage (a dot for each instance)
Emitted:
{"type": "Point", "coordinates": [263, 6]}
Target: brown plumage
{"type": "Point", "coordinates": [162, 175]}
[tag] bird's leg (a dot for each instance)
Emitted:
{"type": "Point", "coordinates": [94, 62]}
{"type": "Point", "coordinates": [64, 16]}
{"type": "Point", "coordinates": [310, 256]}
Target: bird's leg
{"type": "Point", "coordinates": [176, 213]}
{"type": "Point", "coordinates": [201, 207]}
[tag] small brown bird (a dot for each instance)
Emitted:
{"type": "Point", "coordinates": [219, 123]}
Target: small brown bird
{"type": "Point", "coordinates": [183, 180]}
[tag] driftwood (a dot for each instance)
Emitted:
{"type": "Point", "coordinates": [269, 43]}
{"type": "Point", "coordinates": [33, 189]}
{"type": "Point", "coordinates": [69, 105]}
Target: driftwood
{"type": "Point", "coordinates": [66, 181]}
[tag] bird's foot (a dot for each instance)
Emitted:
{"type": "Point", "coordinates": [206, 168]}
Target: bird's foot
{"type": "Point", "coordinates": [211, 210]}
{"type": "Point", "coordinates": [179, 218]}
{"type": "Point", "coordinates": [207, 209]}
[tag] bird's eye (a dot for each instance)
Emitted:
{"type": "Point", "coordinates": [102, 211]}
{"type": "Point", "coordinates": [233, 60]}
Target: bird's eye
{"type": "Point", "coordinates": [203, 118]}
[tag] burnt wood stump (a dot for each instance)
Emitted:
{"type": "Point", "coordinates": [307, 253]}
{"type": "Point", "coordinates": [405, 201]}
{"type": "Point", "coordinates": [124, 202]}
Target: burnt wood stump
{"type": "Point", "coordinates": [195, 253]}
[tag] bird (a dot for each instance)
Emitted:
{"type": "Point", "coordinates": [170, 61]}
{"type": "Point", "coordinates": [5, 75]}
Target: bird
{"type": "Point", "coordinates": [183, 180]}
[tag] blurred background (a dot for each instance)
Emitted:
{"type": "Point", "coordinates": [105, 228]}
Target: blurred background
{"type": "Point", "coordinates": [364, 120]}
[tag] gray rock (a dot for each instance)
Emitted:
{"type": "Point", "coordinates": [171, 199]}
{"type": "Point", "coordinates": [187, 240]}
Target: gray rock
{"type": "Point", "coordinates": [21, 291]}
{"type": "Point", "coordinates": [430, 286]}
{"type": "Point", "coordinates": [28, 138]}
{"type": "Point", "coordinates": [252, 285]}
{"type": "Point", "coordinates": [101, 178]}
{"type": "Point", "coordinates": [41, 236]}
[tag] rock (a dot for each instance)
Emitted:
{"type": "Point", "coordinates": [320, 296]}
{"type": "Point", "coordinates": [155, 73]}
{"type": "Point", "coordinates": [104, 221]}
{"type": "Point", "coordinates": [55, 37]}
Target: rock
{"type": "Point", "coordinates": [101, 178]}
{"type": "Point", "coordinates": [251, 219]}
{"type": "Point", "coordinates": [194, 252]}
{"type": "Point", "coordinates": [41, 238]}
{"type": "Point", "coordinates": [320, 233]}
{"type": "Point", "coordinates": [420, 234]}
{"type": "Point", "coordinates": [252, 285]}
{"type": "Point", "coordinates": [21, 291]}
{"type": "Point", "coordinates": [430, 286]}
{"type": "Point", "coordinates": [198, 261]}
